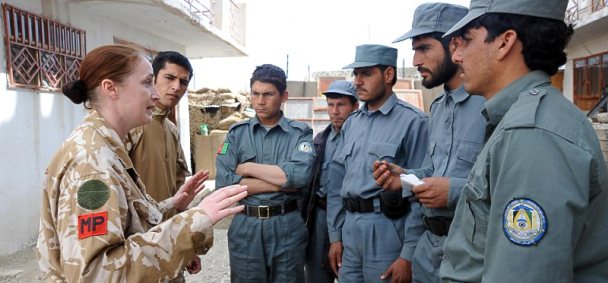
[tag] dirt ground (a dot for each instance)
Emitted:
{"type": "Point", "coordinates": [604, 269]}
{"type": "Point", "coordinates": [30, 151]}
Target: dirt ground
{"type": "Point", "coordinates": [22, 266]}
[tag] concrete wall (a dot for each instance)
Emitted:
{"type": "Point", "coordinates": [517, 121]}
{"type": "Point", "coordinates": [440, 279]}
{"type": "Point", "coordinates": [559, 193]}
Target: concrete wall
{"type": "Point", "coordinates": [302, 89]}
{"type": "Point", "coordinates": [34, 124]}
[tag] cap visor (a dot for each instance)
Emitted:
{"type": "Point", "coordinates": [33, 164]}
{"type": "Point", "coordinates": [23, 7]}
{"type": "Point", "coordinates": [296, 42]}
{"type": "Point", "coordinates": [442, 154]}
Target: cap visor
{"type": "Point", "coordinates": [360, 65]}
{"type": "Point", "coordinates": [473, 14]}
{"type": "Point", "coordinates": [337, 91]}
{"type": "Point", "coordinates": [413, 33]}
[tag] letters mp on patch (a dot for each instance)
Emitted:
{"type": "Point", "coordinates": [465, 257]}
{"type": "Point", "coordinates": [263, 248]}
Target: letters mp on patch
{"type": "Point", "coordinates": [524, 222]}
{"type": "Point", "coordinates": [92, 224]}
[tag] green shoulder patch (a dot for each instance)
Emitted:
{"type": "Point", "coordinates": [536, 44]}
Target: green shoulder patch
{"type": "Point", "coordinates": [93, 194]}
{"type": "Point", "coordinates": [223, 148]}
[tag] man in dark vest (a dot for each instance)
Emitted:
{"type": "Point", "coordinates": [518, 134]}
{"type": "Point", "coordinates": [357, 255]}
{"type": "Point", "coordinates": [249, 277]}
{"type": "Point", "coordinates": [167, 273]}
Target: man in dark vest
{"type": "Point", "coordinates": [341, 101]}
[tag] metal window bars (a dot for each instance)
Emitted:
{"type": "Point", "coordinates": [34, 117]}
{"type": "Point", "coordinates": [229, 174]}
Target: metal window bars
{"type": "Point", "coordinates": [40, 53]}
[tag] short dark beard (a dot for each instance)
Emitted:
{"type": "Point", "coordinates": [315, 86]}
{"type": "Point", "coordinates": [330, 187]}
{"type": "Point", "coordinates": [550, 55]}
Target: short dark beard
{"type": "Point", "coordinates": [444, 72]}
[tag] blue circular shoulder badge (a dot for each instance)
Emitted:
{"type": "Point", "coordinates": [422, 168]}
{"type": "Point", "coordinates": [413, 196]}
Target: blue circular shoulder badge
{"type": "Point", "coordinates": [524, 222]}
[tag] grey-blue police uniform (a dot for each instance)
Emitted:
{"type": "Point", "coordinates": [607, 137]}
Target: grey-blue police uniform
{"type": "Point", "coordinates": [396, 132]}
{"type": "Point", "coordinates": [270, 249]}
{"type": "Point", "coordinates": [544, 157]}
{"type": "Point", "coordinates": [317, 269]}
{"type": "Point", "coordinates": [456, 130]}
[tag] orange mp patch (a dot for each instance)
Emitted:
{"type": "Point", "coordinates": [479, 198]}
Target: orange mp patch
{"type": "Point", "coordinates": [92, 224]}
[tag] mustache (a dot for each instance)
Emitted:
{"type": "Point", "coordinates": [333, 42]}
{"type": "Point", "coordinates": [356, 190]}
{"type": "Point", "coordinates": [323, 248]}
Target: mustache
{"type": "Point", "coordinates": [422, 69]}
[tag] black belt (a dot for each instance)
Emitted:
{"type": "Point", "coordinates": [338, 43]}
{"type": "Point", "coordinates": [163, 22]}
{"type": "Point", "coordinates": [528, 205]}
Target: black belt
{"type": "Point", "coordinates": [267, 211]}
{"type": "Point", "coordinates": [358, 205]}
{"type": "Point", "coordinates": [321, 202]}
{"type": "Point", "coordinates": [437, 225]}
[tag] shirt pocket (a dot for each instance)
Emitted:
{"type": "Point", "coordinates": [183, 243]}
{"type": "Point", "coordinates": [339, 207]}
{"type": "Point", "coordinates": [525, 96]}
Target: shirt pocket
{"type": "Point", "coordinates": [344, 153]}
{"type": "Point", "coordinates": [477, 200]}
{"type": "Point", "coordinates": [382, 151]}
{"type": "Point", "coordinates": [466, 155]}
{"type": "Point", "coordinates": [246, 155]}
{"type": "Point", "coordinates": [147, 212]}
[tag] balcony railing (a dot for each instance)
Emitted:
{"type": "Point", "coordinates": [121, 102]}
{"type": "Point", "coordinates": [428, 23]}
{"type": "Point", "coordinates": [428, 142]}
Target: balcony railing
{"type": "Point", "coordinates": [577, 12]}
{"type": "Point", "coordinates": [226, 15]}
{"type": "Point", "coordinates": [201, 8]}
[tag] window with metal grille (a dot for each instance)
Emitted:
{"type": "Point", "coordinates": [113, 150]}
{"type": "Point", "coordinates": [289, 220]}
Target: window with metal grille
{"type": "Point", "coordinates": [40, 53]}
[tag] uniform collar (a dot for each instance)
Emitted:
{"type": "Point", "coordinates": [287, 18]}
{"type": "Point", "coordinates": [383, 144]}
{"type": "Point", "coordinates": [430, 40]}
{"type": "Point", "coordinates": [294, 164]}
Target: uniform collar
{"type": "Point", "coordinates": [110, 135]}
{"type": "Point", "coordinates": [458, 95]}
{"type": "Point", "coordinates": [283, 123]}
{"type": "Point", "coordinates": [333, 134]}
{"type": "Point", "coordinates": [386, 107]}
{"type": "Point", "coordinates": [160, 112]}
{"type": "Point", "coordinates": [496, 107]}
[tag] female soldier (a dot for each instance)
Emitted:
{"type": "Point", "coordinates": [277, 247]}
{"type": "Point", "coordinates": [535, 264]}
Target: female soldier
{"type": "Point", "coordinates": [97, 222]}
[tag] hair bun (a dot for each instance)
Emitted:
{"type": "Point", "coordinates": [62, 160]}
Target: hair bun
{"type": "Point", "coordinates": [76, 91]}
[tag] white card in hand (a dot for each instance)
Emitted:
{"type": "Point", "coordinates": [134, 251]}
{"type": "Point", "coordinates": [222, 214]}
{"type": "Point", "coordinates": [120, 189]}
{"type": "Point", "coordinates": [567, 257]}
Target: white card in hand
{"type": "Point", "coordinates": [411, 179]}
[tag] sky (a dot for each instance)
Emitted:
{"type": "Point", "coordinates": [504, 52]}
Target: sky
{"type": "Point", "coordinates": [318, 35]}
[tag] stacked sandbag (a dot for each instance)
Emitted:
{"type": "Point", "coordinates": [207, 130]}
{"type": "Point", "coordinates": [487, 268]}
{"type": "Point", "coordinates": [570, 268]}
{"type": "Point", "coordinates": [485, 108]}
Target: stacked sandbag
{"type": "Point", "coordinates": [218, 108]}
{"type": "Point", "coordinates": [600, 124]}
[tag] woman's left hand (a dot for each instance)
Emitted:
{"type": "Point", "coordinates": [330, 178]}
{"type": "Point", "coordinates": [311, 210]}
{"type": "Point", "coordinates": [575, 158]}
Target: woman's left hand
{"type": "Point", "coordinates": [189, 190]}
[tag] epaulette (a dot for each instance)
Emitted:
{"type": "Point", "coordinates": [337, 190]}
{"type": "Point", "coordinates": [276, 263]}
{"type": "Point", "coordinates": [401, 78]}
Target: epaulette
{"type": "Point", "coordinates": [411, 107]}
{"type": "Point", "coordinates": [237, 124]}
{"type": "Point", "coordinates": [299, 125]}
{"type": "Point", "coordinates": [523, 112]}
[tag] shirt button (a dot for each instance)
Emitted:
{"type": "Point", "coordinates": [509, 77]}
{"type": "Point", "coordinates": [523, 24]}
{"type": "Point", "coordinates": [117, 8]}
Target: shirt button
{"type": "Point", "coordinates": [534, 91]}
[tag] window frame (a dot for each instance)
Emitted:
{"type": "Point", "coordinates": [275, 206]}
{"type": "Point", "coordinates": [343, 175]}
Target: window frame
{"type": "Point", "coordinates": [589, 79]}
{"type": "Point", "coordinates": [41, 53]}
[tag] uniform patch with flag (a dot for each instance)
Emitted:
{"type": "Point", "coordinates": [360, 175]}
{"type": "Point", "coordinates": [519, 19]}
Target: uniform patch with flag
{"type": "Point", "coordinates": [223, 149]}
{"type": "Point", "coordinates": [92, 224]}
{"type": "Point", "coordinates": [524, 222]}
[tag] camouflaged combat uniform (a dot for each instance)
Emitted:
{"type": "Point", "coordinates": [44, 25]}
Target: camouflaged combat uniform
{"type": "Point", "coordinates": [157, 156]}
{"type": "Point", "coordinates": [99, 225]}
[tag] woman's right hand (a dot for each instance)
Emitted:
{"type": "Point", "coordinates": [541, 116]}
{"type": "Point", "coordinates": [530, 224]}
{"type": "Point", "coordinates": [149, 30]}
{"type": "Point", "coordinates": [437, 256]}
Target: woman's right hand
{"type": "Point", "coordinates": [219, 204]}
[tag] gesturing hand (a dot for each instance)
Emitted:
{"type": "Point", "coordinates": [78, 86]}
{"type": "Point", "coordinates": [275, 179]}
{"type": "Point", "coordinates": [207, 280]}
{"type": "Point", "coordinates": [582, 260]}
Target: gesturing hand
{"type": "Point", "coordinates": [189, 189]}
{"type": "Point", "coordinates": [219, 204]}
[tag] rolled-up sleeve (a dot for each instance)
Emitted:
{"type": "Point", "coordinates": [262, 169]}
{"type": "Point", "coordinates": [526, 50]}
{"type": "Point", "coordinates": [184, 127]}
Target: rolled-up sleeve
{"type": "Point", "coordinates": [299, 167]}
{"type": "Point", "coordinates": [226, 162]}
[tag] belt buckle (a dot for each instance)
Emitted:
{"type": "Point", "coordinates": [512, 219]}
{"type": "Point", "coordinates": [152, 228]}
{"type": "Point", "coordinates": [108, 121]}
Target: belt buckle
{"type": "Point", "coordinates": [267, 212]}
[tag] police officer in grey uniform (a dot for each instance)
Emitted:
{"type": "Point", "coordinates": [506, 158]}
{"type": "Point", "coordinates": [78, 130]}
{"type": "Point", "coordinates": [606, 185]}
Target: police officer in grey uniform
{"type": "Point", "coordinates": [341, 99]}
{"type": "Point", "coordinates": [535, 206]}
{"type": "Point", "coordinates": [273, 156]}
{"type": "Point", "coordinates": [456, 130]}
{"type": "Point", "coordinates": [373, 227]}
